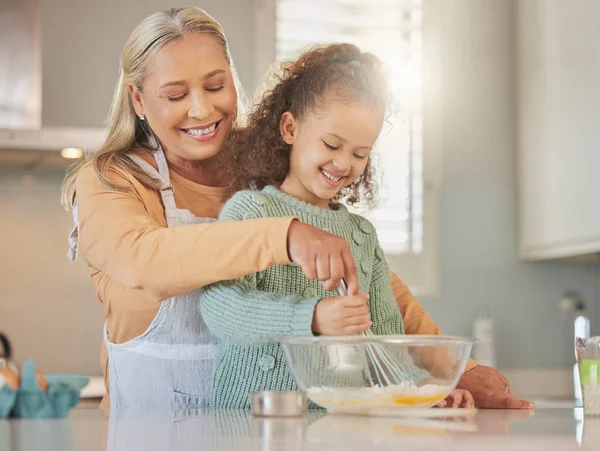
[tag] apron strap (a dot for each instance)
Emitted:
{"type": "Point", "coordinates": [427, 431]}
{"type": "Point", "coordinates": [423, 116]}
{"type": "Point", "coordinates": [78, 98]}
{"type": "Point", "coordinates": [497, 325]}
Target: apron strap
{"type": "Point", "coordinates": [74, 235]}
{"type": "Point", "coordinates": [162, 175]}
{"type": "Point", "coordinates": [166, 192]}
{"type": "Point", "coordinates": [149, 169]}
{"type": "Point", "coordinates": [163, 166]}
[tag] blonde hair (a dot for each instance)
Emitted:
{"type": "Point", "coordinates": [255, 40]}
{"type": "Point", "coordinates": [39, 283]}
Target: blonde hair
{"type": "Point", "coordinates": [125, 130]}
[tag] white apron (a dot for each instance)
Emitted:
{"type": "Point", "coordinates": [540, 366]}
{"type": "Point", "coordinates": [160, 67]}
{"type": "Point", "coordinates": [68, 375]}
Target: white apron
{"type": "Point", "coordinates": [170, 365]}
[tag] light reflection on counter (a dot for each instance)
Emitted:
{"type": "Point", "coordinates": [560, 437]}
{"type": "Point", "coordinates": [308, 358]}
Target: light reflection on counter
{"type": "Point", "coordinates": [544, 429]}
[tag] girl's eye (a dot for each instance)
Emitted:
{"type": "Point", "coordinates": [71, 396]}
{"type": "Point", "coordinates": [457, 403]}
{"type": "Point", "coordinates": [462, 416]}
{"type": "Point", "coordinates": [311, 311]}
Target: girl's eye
{"type": "Point", "coordinates": [329, 146]}
{"type": "Point", "coordinates": [359, 156]}
{"type": "Point", "coordinates": [217, 89]}
{"type": "Point", "coordinates": [175, 99]}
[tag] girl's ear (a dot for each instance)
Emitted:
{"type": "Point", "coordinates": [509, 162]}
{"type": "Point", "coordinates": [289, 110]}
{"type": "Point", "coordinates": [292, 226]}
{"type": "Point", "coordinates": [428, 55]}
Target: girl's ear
{"type": "Point", "coordinates": [288, 127]}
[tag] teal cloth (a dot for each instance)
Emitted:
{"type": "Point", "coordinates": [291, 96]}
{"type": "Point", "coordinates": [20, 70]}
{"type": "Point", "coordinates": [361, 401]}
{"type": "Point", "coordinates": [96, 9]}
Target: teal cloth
{"type": "Point", "coordinates": [250, 314]}
{"type": "Point", "coordinates": [7, 401]}
{"type": "Point", "coordinates": [30, 401]}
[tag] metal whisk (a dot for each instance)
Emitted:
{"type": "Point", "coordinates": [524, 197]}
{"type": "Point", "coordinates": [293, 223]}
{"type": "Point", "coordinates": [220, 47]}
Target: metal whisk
{"type": "Point", "coordinates": [387, 368]}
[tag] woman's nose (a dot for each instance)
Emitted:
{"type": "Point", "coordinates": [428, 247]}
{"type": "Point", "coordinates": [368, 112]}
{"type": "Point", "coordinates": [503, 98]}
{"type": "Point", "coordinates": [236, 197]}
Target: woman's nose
{"type": "Point", "coordinates": [201, 107]}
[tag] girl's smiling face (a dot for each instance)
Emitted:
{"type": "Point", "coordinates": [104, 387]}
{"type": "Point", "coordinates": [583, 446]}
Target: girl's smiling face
{"type": "Point", "coordinates": [330, 148]}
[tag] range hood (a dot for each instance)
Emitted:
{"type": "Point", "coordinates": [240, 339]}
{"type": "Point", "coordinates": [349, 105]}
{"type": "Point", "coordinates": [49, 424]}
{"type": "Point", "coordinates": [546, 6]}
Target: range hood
{"type": "Point", "coordinates": [52, 139]}
{"type": "Point", "coordinates": [21, 124]}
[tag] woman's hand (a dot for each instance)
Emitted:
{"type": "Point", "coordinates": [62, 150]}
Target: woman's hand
{"type": "Point", "coordinates": [322, 256]}
{"type": "Point", "coordinates": [342, 315]}
{"type": "Point", "coordinates": [490, 389]}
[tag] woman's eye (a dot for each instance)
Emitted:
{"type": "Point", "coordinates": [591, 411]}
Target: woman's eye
{"type": "Point", "coordinates": [217, 89]}
{"type": "Point", "coordinates": [359, 156]}
{"type": "Point", "coordinates": [176, 98]}
{"type": "Point", "coordinates": [329, 146]}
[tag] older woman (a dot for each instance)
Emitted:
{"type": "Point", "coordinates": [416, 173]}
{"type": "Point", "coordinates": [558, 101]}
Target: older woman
{"type": "Point", "coordinates": [146, 206]}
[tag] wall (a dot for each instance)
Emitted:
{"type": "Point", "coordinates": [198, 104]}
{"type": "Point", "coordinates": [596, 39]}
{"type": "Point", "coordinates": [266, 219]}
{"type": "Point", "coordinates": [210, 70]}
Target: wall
{"type": "Point", "coordinates": [48, 305]}
{"type": "Point", "coordinates": [480, 264]}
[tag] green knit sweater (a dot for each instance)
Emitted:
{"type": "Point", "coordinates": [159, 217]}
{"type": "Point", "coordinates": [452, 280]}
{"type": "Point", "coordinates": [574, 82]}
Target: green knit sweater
{"type": "Point", "coordinates": [250, 314]}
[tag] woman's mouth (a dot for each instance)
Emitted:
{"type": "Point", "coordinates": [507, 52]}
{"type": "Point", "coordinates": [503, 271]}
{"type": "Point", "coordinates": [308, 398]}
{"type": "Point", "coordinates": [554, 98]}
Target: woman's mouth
{"type": "Point", "coordinates": [203, 133]}
{"type": "Point", "coordinates": [332, 179]}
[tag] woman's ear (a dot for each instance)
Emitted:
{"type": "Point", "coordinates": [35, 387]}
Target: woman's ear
{"type": "Point", "coordinates": [288, 127]}
{"type": "Point", "coordinates": [136, 99]}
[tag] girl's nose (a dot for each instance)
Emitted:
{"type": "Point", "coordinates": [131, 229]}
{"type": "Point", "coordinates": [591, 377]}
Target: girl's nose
{"type": "Point", "coordinates": [342, 163]}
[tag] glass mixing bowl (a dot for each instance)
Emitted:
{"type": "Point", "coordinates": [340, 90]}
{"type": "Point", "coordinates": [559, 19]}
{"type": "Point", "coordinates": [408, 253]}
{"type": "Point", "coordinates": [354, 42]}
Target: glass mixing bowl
{"type": "Point", "coordinates": [359, 373]}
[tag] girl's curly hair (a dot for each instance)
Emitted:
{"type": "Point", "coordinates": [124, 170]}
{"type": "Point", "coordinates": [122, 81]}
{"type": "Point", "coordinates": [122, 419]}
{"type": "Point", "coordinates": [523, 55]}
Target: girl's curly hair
{"type": "Point", "coordinates": [336, 72]}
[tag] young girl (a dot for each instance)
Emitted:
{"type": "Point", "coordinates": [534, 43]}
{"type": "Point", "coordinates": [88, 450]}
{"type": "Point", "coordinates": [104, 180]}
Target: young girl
{"type": "Point", "coordinates": [308, 142]}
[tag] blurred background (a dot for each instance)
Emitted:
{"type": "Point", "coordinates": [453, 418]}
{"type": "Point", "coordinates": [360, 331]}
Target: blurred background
{"type": "Point", "coordinates": [489, 208]}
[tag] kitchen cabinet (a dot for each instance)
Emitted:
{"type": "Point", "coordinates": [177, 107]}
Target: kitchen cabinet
{"type": "Point", "coordinates": [558, 128]}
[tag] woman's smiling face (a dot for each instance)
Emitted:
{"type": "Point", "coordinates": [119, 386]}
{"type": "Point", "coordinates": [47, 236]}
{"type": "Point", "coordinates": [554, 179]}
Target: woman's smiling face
{"type": "Point", "coordinates": [189, 97]}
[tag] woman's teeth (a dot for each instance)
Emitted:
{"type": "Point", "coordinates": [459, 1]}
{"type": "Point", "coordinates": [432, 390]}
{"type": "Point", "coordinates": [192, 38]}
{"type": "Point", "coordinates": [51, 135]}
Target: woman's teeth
{"type": "Point", "coordinates": [202, 131]}
{"type": "Point", "coordinates": [329, 176]}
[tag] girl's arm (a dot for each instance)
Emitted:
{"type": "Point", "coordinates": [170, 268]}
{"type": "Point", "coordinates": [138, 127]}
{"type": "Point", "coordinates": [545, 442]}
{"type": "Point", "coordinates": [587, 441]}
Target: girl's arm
{"type": "Point", "coordinates": [237, 312]}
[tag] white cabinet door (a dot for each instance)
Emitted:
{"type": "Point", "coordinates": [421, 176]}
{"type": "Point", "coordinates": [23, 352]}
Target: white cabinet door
{"type": "Point", "coordinates": [558, 99]}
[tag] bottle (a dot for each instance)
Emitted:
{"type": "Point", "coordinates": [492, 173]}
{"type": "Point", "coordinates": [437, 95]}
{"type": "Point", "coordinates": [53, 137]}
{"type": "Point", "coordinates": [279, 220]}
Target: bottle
{"type": "Point", "coordinates": [483, 333]}
{"type": "Point", "coordinates": [581, 330]}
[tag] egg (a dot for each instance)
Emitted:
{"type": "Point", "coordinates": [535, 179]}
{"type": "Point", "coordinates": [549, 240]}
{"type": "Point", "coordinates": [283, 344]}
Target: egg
{"type": "Point", "coordinates": [41, 380]}
{"type": "Point", "coordinates": [9, 378]}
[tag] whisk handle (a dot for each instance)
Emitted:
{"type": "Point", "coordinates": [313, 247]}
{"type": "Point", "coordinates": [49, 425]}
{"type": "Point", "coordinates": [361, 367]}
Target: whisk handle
{"type": "Point", "coordinates": [342, 288]}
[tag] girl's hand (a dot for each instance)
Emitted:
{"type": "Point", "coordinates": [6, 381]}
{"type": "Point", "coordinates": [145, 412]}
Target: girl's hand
{"type": "Point", "coordinates": [322, 256]}
{"type": "Point", "coordinates": [342, 315]}
{"type": "Point", "coordinates": [458, 398]}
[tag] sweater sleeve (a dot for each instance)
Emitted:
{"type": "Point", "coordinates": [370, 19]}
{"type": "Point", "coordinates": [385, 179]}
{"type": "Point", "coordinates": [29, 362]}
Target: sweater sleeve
{"type": "Point", "coordinates": [237, 312]}
{"type": "Point", "coordinates": [385, 314]}
{"type": "Point", "coordinates": [119, 237]}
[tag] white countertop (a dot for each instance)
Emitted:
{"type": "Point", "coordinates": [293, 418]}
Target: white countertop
{"type": "Point", "coordinates": [556, 428]}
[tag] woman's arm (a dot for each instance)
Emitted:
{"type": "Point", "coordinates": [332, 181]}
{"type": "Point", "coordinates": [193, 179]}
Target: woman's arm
{"type": "Point", "coordinates": [416, 319]}
{"type": "Point", "coordinates": [119, 237]}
